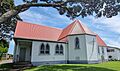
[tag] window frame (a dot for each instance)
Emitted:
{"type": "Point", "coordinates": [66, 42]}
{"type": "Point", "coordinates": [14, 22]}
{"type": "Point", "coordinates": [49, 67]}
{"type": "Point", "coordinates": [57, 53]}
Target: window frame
{"type": "Point", "coordinates": [42, 48]}
{"type": "Point", "coordinates": [61, 46]}
{"type": "Point", "coordinates": [47, 50]}
{"type": "Point", "coordinates": [44, 51]}
{"type": "Point", "coordinates": [103, 51]}
{"type": "Point", "coordinates": [77, 43]}
{"type": "Point", "coordinates": [58, 50]}
{"type": "Point", "coordinates": [98, 50]}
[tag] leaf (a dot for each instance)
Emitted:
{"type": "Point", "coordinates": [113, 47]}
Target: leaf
{"type": "Point", "coordinates": [62, 11]}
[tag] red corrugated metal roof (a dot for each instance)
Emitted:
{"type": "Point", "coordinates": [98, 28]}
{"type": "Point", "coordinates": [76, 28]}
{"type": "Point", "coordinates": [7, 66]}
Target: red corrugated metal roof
{"type": "Point", "coordinates": [34, 31]}
{"type": "Point", "coordinates": [38, 32]}
{"type": "Point", "coordinates": [69, 30]}
{"type": "Point", "coordinates": [100, 41]}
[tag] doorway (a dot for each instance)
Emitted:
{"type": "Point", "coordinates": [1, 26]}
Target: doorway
{"type": "Point", "coordinates": [22, 54]}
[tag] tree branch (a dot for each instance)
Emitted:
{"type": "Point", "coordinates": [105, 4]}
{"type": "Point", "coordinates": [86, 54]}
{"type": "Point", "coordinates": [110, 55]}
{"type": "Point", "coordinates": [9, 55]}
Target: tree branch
{"type": "Point", "coordinates": [8, 15]}
{"type": "Point", "coordinates": [24, 7]}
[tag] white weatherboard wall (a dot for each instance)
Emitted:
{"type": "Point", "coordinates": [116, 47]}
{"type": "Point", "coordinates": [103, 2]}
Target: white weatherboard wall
{"type": "Point", "coordinates": [36, 58]}
{"type": "Point", "coordinates": [92, 49]}
{"type": "Point", "coordinates": [105, 53]}
{"type": "Point", "coordinates": [118, 53]}
{"type": "Point", "coordinates": [102, 52]}
{"type": "Point", "coordinates": [77, 54]}
{"type": "Point", "coordinates": [115, 55]}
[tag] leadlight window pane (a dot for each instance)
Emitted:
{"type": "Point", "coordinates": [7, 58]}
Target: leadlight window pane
{"type": "Point", "coordinates": [77, 43]}
{"type": "Point", "coordinates": [47, 47]}
{"type": "Point", "coordinates": [42, 47]}
{"type": "Point", "coordinates": [57, 47]}
{"type": "Point", "coordinates": [61, 47]}
{"type": "Point", "coordinates": [44, 50]}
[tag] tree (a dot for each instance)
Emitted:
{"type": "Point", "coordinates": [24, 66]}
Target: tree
{"type": "Point", "coordinates": [3, 47]}
{"type": "Point", "coordinates": [6, 27]}
{"type": "Point", "coordinates": [71, 8]}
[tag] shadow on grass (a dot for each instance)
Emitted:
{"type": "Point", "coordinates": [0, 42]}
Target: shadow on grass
{"type": "Point", "coordinates": [5, 67]}
{"type": "Point", "coordinates": [68, 68]}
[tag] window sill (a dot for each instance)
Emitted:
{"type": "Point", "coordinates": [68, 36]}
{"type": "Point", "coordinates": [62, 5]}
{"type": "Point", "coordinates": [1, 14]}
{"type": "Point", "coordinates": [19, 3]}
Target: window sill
{"type": "Point", "coordinates": [59, 54]}
{"type": "Point", "coordinates": [44, 54]}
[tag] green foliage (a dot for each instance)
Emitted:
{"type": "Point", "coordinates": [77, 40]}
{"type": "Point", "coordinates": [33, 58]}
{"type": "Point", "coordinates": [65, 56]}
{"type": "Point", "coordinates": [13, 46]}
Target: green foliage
{"type": "Point", "coordinates": [3, 50]}
{"type": "Point", "coordinates": [75, 8]}
{"type": "Point", "coordinates": [3, 47]}
{"type": "Point", "coordinates": [106, 66]}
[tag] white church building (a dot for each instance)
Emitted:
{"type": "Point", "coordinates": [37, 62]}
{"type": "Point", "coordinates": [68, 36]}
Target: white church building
{"type": "Point", "coordinates": [113, 53]}
{"type": "Point", "coordinates": [40, 44]}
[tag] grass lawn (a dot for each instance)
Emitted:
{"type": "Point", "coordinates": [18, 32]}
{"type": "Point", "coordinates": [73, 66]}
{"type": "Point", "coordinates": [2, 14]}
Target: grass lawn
{"type": "Point", "coordinates": [107, 66]}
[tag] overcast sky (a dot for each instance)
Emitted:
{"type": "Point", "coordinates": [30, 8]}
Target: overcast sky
{"type": "Point", "coordinates": [107, 28]}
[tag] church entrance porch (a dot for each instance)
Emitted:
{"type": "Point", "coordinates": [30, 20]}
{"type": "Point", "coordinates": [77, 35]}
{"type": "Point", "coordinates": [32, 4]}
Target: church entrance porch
{"type": "Point", "coordinates": [22, 51]}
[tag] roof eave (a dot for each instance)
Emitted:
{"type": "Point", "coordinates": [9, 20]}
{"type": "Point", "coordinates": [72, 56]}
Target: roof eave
{"type": "Point", "coordinates": [37, 39]}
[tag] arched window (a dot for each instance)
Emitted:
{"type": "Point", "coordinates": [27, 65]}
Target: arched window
{"type": "Point", "coordinates": [59, 49]}
{"type": "Point", "coordinates": [102, 50]}
{"type": "Point", "coordinates": [44, 49]}
{"type": "Point", "coordinates": [47, 49]}
{"type": "Point", "coordinates": [77, 43]}
{"type": "Point", "coordinates": [98, 50]}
